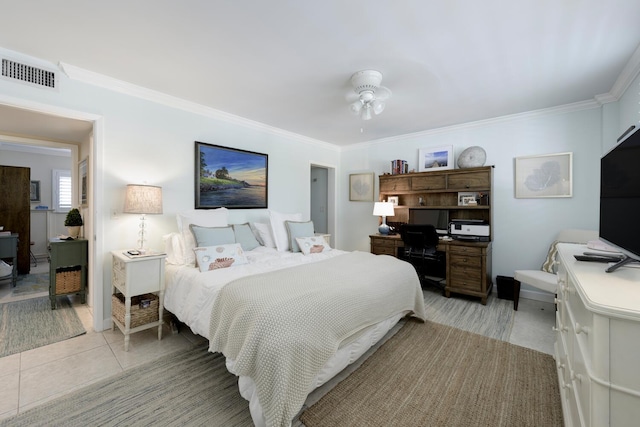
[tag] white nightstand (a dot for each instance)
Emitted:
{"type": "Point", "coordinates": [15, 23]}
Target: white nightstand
{"type": "Point", "coordinates": [133, 277]}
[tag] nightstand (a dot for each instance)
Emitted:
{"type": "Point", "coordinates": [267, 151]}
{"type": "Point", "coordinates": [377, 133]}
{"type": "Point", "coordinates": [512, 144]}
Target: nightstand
{"type": "Point", "coordinates": [137, 293]}
{"type": "Point", "coordinates": [68, 261]}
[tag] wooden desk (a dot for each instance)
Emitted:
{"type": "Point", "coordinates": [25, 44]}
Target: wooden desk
{"type": "Point", "coordinates": [468, 264]}
{"type": "Point", "coordinates": [9, 250]}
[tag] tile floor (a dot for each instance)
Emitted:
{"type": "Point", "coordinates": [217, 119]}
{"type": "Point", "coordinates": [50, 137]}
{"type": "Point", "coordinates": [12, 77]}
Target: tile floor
{"type": "Point", "coordinates": [33, 377]}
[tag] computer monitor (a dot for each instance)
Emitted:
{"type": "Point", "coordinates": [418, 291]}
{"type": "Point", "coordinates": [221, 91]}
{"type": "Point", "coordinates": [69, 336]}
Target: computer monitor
{"type": "Point", "coordinates": [439, 218]}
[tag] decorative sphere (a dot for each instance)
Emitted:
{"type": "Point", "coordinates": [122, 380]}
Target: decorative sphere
{"type": "Point", "coordinates": [472, 157]}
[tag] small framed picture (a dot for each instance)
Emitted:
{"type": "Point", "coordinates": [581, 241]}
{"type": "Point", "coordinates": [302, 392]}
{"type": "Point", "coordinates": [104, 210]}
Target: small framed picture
{"type": "Point", "coordinates": [34, 188]}
{"type": "Point", "coordinates": [393, 199]}
{"type": "Point", "coordinates": [361, 186]}
{"type": "Point", "coordinates": [467, 198]}
{"type": "Point", "coordinates": [435, 158]}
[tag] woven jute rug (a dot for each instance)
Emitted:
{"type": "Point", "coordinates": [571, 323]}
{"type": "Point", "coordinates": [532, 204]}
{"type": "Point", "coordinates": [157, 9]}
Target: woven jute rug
{"type": "Point", "coordinates": [430, 374]}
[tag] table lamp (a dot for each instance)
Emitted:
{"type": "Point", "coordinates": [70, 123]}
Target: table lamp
{"type": "Point", "coordinates": [383, 209]}
{"type": "Point", "coordinates": [143, 199]}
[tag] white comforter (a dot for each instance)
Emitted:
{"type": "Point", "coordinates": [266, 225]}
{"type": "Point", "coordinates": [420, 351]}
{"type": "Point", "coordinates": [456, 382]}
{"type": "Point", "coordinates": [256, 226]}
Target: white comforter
{"type": "Point", "coordinates": [190, 295]}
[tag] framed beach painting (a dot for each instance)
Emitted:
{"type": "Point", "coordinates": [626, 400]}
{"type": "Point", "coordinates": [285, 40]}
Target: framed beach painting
{"type": "Point", "coordinates": [547, 175]}
{"type": "Point", "coordinates": [435, 158]}
{"type": "Point", "coordinates": [230, 178]}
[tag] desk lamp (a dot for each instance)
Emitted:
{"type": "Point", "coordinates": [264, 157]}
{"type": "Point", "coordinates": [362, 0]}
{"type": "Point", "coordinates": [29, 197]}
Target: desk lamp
{"type": "Point", "coordinates": [143, 199]}
{"type": "Point", "coordinates": [383, 209]}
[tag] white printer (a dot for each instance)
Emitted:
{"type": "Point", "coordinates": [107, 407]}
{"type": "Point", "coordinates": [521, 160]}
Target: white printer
{"type": "Point", "coordinates": [475, 230]}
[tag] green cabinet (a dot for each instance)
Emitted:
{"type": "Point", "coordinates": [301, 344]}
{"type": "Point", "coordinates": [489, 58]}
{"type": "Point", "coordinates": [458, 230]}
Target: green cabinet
{"type": "Point", "coordinates": [68, 268]}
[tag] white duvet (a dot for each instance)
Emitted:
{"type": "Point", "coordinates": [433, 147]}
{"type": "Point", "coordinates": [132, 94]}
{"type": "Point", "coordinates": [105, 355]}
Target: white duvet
{"type": "Point", "coordinates": [190, 296]}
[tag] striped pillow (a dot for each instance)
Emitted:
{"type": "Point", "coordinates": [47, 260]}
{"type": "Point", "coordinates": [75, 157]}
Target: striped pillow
{"type": "Point", "coordinates": [549, 264]}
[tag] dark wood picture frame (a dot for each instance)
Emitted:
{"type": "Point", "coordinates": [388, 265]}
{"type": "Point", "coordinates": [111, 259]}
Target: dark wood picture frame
{"type": "Point", "coordinates": [34, 191]}
{"type": "Point", "coordinates": [230, 177]}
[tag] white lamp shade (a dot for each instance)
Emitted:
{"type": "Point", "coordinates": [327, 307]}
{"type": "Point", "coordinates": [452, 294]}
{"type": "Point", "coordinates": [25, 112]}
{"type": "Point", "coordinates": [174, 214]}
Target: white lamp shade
{"type": "Point", "coordinates": [383, 209]}
{"type": "Point", "coordinates": [143, 199]}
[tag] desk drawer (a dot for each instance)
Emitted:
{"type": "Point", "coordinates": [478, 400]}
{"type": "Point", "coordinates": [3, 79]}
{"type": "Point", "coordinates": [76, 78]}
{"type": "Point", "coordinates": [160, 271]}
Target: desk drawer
{"type": "Point", "coordinates": [465, 250]}
{"type": "Point", "coordinates": [384, 251]}
{"type": "Point", "coordinates": [385, 243]}
{"type": "Point", "coordinates": [465, 262]}
{"type": "Point", "coordinates": [458, 280]}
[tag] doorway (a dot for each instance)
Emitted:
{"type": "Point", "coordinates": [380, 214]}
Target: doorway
{"type": "Point", "coordinates": [322, 201]}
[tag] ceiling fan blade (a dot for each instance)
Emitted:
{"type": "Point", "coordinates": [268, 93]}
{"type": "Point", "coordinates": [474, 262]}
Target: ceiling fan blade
{"type": "Point", "coordinates": [383, 93]}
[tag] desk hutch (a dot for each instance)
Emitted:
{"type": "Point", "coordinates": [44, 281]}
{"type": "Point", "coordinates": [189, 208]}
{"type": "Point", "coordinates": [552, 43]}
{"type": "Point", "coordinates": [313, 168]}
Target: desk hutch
{"type": "Point", "coordinates": [468, 263]}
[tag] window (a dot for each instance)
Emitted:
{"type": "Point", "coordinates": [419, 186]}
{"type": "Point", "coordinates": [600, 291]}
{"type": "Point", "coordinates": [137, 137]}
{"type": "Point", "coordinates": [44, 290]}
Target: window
{"type": "Point", "coordinates": [61, 190]}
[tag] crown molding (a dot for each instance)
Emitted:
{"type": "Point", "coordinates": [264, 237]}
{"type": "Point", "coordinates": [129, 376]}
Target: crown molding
{"type": "Point", "coordinates": [561, 109]}
{"type": "Point", "coordinates": [109, 83]}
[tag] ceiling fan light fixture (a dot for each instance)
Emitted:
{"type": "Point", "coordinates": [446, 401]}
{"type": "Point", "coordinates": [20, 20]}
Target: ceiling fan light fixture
{"type": "Point", "coordinates": [366, 84]}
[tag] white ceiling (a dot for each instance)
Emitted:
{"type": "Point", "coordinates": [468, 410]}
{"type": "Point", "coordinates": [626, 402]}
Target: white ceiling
{"type": "Point", "coordinates": [287, 63]}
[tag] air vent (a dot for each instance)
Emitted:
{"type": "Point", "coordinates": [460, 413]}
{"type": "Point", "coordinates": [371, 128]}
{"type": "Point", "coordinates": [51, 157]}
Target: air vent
{"type": "Point", "coordinates": [28, 74]}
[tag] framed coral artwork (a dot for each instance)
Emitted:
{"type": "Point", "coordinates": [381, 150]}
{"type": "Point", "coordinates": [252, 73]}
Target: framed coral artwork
{"type": "Point", "coordinates": [548, 175]}
{"type": "Point", "coordinates": [361, 187]}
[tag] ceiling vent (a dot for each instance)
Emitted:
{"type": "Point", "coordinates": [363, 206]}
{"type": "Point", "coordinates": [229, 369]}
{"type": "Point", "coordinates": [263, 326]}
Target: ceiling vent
{"type": "Point", "coordinates": [28, 74]}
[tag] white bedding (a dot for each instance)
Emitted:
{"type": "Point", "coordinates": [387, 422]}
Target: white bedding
{"type": "Point", "coordinates": [190, 295]}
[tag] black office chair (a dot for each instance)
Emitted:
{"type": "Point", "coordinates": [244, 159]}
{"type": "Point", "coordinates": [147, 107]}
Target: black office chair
{"type": "Point", "coordinates": [420, 250]}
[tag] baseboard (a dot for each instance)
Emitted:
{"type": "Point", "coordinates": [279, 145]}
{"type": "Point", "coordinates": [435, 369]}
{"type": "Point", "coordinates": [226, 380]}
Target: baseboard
{"type": "Point", "coordinates": [533, 295]}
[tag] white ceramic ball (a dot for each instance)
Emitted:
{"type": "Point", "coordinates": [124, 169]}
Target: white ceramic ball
{"type": "Point", "coordinates": [472, 157]}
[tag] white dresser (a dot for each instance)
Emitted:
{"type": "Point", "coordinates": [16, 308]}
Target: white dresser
{"type": "Point", "coordinates": [598, 341]}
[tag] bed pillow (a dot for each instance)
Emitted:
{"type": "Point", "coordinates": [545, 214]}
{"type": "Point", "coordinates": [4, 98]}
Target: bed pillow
{"type": "Point", "coordinates": [245, 236]}
{"type": "Point", "coordinates": [298, 229]}
{"type": "Point", "coordinates": [212, 236]}
{"type": "Point", "coordinates": [220, 256]}
{"type": "Point", "coordinates": [174, 247]}
{"type": "Point", "coordinates": [205, 218]}
{"type": "Point", "coordinates": [279, 230]}
{"type": "Point", "coordinates": [265, 236]}
{"type": "Point", "coordinates": [312, 245]}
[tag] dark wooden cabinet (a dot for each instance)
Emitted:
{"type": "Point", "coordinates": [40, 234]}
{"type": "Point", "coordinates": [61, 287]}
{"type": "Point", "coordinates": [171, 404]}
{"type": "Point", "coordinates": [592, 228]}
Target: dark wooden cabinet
{"type": "Point", "coordinates": [68, 264]}
{"type": "Point", "coordinates": [15, 209]}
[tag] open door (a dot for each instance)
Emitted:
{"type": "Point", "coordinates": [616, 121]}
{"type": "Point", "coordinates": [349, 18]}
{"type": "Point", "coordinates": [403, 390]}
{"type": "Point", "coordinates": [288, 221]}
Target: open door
{"type": "Point", "coordinates": [15, 209]}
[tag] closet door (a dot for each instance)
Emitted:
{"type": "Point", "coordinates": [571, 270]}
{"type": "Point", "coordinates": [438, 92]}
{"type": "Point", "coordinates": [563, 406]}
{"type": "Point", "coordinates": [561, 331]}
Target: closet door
{"type": "Point", "coordinates": [15, 209]}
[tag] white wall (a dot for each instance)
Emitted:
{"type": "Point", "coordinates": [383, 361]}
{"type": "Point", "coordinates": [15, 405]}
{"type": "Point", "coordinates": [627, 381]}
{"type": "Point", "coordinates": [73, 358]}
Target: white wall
{"type": "Point", "coordinates": [522, 228]}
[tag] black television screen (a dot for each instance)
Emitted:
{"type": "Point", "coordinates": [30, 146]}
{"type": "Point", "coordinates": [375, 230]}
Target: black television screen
{"type": "Point", "coordinates": [620, 197]}
{"type": "Point", "coordinates": [439, 218]}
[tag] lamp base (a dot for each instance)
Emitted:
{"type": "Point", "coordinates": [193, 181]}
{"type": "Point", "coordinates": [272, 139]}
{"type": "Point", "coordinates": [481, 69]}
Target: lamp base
{"type": "Point", "coordinates": [383, 229]}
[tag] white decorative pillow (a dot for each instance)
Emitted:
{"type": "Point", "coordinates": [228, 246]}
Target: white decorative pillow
{"type": "Point", "coordinates": [221, 256]}
{"type": "Point", "coordinates": [174, 247]}
{"type": "Point", "coordinates": [279, 230]}
{"type": "Point", "coordinates": [313, 244]}
{"type": "Point", "coordinates": [298, 229]}
{"type": "Point", "coordinates": [265, 237]}
{"type": "Point", "coordinates": [203, 217]}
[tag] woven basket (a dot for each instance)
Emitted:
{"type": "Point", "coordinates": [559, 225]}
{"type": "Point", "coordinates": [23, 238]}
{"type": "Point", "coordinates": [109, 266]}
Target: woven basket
{"type": "Point", "coordinates": [144, 309]}
{"type": "Point", "coordinates": [68, 280]}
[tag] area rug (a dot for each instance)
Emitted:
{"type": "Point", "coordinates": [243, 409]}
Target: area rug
{"type": "Point", "coordinates": [191, 388]}
{"type": "Point", "coordinates": [31, 323]}
{"type": "Point", "coordinates": [493, 320]}
{"type": "Point", "coordinates": [31, 284]}
{"type": "Point", "coordinates": [435, 375]}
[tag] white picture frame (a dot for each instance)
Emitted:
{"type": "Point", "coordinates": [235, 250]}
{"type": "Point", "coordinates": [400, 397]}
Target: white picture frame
{"type": "Point", "coordinates": [436, 158]}
{"type": "Point", "coordinates": [393, 199]}
{"type": "Point", "coordinates": [467, 198]}
{"type": "Point", "coordinates": [544, 176]}
{"type": "Point", "coordinates": [361, 187]}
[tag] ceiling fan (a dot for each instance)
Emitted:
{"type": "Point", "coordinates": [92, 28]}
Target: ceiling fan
{"type": "Point", "coordinates": [368, 96]}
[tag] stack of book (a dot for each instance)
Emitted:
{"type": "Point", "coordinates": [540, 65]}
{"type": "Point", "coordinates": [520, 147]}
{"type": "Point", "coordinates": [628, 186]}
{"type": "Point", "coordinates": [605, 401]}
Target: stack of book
{"type": "Point", "coordinates": [399, 166]}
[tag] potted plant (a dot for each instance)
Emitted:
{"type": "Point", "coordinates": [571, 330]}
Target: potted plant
{"type": "Point", "coordinates": [73, 222]}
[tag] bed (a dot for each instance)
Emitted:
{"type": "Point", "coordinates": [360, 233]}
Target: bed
{"type": "Point", "coordinates": [288, 321]}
